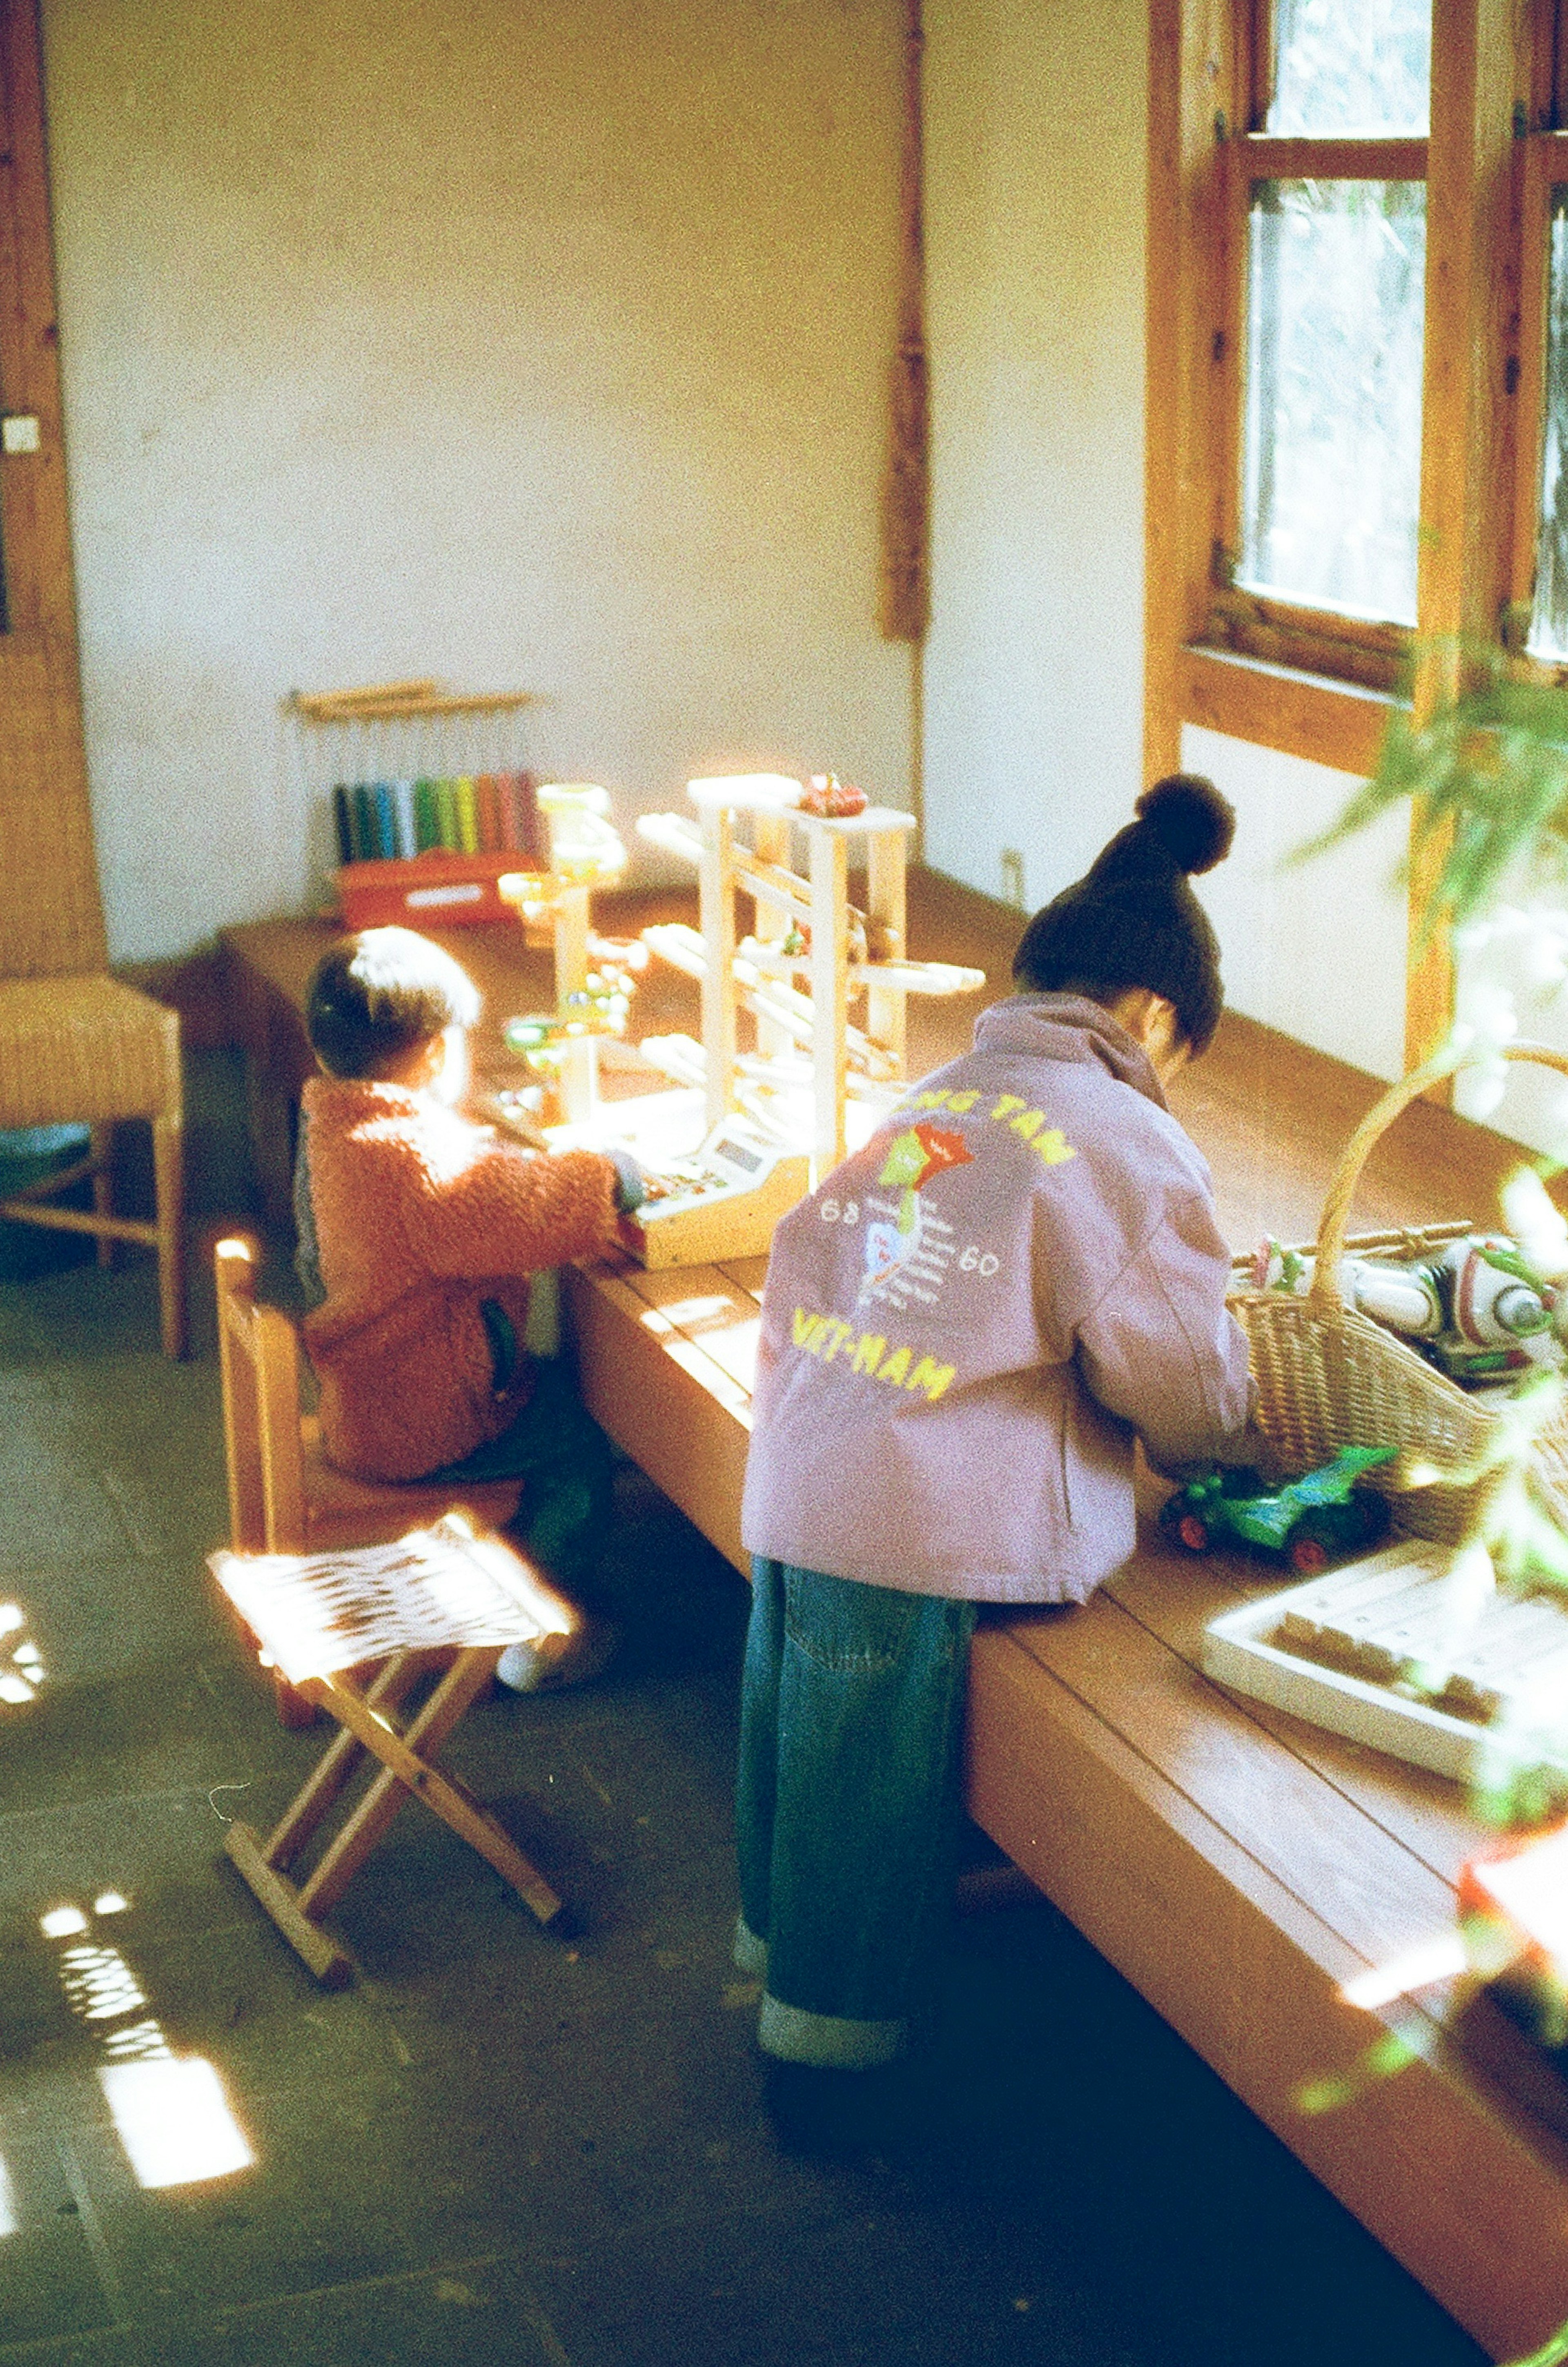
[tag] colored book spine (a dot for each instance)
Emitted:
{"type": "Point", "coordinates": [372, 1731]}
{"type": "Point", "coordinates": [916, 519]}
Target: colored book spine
{"type": "Point", "coordinates": [386, 821]}
{"type": "Point", "coordinates": [446, 806]}
{"type": "Point", "coordinates": [364, 811]}
{"type": "Point", "coordinates": [343, 824]}
{"type": "Point", "coordinates": [468, 815]}
{"type": "Point", "coordinates": [426, 817]}
{"type": "Point", "coordinates": [506, 814]}
{"type": "Point", "coordinates": [407, 831]}
{"type": "Point", "coordinates": [489, 806]}
{"type": "Point", "coordinates": [535, 832]}
{"type": "Point", "coordinates": [522, 819]}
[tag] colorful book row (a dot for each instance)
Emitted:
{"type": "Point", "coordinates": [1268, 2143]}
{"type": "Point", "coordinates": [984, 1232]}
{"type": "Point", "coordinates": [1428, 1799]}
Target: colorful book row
{"type": "Point", "coordinates": [382, 821]}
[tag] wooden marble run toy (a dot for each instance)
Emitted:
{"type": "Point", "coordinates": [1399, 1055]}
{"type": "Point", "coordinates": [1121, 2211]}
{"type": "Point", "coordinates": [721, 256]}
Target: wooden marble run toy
{"type": "Point", "coordinates": [585, 850]}
{"type": "Point", "coordinates": [727, 1156]}
{"type": "Point", "coordinates": [817, 1078]}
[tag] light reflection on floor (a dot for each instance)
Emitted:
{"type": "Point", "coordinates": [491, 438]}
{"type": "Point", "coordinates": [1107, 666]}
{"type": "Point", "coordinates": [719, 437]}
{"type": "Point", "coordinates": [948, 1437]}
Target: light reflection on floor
{"type": "Point", "coordinates": [21, 1662]}
{"type": "Point", "coordinates": [170, 2112]}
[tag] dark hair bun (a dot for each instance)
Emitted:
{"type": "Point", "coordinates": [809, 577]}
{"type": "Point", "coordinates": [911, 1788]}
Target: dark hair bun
{"type": "Point", "coordinates": [1191, 820]}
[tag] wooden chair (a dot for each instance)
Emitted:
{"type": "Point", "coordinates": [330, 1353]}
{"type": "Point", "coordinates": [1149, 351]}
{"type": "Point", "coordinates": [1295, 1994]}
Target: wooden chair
{"type": "Point", "coordinates": [75, 1045]}
{"type": "Point", "coordinates": [284, 1496]}
{"type": "Point", "coordinates": [311, 1610]}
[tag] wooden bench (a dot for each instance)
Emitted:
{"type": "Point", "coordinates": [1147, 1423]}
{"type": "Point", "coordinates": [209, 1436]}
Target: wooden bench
{"type": "Point", "coordinates": [1235, 1864]}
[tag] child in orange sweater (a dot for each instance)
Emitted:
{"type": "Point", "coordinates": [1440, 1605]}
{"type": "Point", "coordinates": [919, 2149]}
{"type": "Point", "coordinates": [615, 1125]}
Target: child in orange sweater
{"type": "Point", "coordinates": [419, 1233]}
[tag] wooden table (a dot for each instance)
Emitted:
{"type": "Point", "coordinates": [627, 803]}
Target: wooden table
{"type": "Point", "coordinates": [1235, 1863]}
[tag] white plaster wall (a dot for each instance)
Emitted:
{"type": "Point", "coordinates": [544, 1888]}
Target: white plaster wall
{"type": "Point", "coordinates": [524, 343]}
{"type": "Point", "coordinates": [1035, 229]}
{"type": "Point", "coordinates": [1316, 950]}
{"type": "Point", "coordinates": [1036, 126]}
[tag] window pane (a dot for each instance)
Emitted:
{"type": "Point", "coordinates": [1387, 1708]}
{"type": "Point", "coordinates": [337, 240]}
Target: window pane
{"type": "Point", "coordinates": [1331, 463]}
{"type": "Point", "coordinates": [1548, 625]}
{"type": "Point", "coordinates": [1351, 65]}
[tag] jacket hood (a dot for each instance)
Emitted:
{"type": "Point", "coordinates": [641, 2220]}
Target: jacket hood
{"type": "Point", "coordinates": [1067, 1027]}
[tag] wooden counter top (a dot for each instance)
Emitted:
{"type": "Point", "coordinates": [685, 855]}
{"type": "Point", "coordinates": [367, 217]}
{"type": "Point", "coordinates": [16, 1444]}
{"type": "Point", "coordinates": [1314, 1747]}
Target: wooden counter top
{"type": "Point", "coordinates": [1233, 1862]}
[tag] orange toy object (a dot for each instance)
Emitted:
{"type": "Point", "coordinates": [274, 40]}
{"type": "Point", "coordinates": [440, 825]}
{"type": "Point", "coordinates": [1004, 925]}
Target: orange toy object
{"type": "Point", "coordinates": [437, 890]}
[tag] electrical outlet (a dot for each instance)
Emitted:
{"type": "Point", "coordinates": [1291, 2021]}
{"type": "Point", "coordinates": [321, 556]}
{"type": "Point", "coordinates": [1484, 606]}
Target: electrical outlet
{"type": "Point", "coordinates": [1012, 878]}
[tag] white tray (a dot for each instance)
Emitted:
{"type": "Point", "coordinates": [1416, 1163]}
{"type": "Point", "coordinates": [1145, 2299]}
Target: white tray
{"type": "Point", "coordinates": [1236, 1653]}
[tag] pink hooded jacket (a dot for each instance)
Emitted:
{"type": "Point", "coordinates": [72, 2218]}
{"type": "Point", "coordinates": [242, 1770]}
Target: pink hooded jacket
{"type": "Point", "coordinates": [966, 1323]}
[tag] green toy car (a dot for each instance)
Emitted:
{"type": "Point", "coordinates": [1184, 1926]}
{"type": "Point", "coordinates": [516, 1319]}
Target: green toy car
{"type": "Point", "coordinates": [1308, 1522]}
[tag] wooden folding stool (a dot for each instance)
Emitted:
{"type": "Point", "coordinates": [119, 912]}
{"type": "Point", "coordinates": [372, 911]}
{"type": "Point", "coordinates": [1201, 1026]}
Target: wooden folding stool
{"type": "Point", "coordinates": [379, 1605]}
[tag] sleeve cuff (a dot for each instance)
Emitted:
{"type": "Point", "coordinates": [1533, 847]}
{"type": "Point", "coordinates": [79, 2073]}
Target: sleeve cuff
{"type": "Point", "coordinates": [631, 1189]}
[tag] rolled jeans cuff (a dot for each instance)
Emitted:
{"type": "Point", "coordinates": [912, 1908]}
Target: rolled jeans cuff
{"type": "Point", "coordinates": [828, 2040]}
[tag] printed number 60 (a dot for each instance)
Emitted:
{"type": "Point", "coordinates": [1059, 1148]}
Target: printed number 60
{"type": "Point", "coordinates": [832, 1213]}
{"type": "Point", "coordinates": [978, 1260]}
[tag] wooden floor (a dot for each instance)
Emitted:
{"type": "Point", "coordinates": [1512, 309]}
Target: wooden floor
{"type": "Point", "coordinates": [1235, 1863]}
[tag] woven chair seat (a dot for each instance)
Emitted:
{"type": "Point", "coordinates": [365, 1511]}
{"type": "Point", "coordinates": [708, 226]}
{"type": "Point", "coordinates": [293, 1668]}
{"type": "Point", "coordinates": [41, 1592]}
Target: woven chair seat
{"type": "Point", "coordinates": [84, 1048]}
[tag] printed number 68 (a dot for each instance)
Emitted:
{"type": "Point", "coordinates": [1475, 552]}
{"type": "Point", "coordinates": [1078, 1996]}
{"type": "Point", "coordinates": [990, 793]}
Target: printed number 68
{"type": "Point", "coordinates": [832, 1213]}
{"type": "Point", "coordinates": [978, 1260]}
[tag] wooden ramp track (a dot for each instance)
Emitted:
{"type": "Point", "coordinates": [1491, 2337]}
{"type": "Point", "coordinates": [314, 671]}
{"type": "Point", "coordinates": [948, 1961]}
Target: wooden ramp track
{"type": "Point", "coordinates": [1235, 1864]}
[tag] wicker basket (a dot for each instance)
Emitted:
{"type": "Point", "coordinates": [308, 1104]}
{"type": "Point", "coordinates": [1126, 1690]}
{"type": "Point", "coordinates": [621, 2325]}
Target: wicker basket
{"type": "Point", "coordinates": [1328, 1376]}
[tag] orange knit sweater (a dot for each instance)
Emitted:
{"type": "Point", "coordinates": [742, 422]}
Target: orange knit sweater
{"type": "Point", "coordinates": [420, 1216]}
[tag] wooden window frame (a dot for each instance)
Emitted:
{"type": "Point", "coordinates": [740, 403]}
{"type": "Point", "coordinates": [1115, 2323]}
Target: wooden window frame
{"type": "Point", "coordinates": [1295, 679]}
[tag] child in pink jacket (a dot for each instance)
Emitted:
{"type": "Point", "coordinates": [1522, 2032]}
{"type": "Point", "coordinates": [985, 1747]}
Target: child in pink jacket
{"type": "Point", "coordinates": [964, 1330]}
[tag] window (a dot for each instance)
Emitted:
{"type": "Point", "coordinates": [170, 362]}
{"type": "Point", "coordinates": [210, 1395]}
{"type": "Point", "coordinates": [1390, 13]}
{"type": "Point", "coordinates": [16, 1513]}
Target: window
{"type": "Point", "coordinates": [1325, 203]}
{"type": "Point", "coordinates": [1358, 393]}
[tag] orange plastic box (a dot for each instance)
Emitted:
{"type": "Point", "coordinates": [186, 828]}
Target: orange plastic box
{"type": "Point", "coordinates": [435, 890]}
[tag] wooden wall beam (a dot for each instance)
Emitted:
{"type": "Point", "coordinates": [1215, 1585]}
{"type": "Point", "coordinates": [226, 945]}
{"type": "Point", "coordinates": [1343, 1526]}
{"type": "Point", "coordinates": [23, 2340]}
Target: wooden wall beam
{"type": "Point", "coordinates": [1193, 90]}
{"type": "Point", "coordinates": [1481, 66]}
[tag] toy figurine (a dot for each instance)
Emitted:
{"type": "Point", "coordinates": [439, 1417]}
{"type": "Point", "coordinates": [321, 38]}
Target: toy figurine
{"type": "Point", "coordinates": [1477, 1309]}
{"type": "Point", "coordinates": [833, 799]}
{"type": "Point", "coordinates": [1308, 1521]}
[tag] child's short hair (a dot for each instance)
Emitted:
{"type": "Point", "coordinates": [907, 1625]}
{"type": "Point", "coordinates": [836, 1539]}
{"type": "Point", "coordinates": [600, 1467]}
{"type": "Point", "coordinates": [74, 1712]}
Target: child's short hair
{"type": "Point", "coordinates": [376, 997]}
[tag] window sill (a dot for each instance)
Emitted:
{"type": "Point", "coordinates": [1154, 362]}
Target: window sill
{"type": "Point", "coordinates": [1308, 715]}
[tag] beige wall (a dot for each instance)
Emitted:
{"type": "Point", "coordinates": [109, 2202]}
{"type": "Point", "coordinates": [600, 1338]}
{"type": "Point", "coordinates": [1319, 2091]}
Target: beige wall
{"type": "Point", "coordinates": [1036, 131]}
{"type": "Point", "coordinates": [1034, 145]}
{"type": "Point", "coordinates": [520, 341]}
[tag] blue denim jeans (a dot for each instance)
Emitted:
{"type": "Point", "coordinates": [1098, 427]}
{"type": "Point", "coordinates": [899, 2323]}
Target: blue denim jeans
{"type": "Point", "coordinates": [850, 1732]}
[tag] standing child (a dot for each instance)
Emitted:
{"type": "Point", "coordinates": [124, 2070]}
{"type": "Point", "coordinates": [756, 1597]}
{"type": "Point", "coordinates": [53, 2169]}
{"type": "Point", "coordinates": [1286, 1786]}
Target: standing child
{"type": "Point", "coordinates": [963, 1330]}
{"type": "Point", "coordinates": [423, 1231]}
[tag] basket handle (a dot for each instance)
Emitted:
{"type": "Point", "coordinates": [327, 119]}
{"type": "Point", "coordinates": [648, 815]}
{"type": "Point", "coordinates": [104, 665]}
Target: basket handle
{"type": "Point", "coordinates": [1324, 1292]}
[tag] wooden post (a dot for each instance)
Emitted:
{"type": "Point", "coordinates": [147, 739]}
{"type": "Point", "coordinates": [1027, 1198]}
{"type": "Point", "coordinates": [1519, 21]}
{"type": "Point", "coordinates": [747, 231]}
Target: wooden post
{"type": "Point", "coordinates": [829, 991]}
{"type": "Point", "coordinates": [887, 1006]}
{"type": "Point", "coordinates": [905, 589]}
{"type": "Point", "coordinates": [771, 924]}
{"type": "Point", "coordinates": [580, 1067]}
{"type": "Point", "coordinates": [1195, 101]}
{"type": "Point", "coordinates": [716, 886]}
{"type": "Point", "coordinates": [1479, 69]}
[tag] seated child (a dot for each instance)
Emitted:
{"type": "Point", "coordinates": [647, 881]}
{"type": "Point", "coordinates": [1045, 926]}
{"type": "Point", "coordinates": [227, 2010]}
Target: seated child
{"type": "Point", "coordinates": [963, 1330]}
{"type": "Point", "coordinates": [422, 1230]}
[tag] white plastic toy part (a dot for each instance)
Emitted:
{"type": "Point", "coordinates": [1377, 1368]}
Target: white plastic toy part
{"type": "Point", "coordinates": [583, 844]}
{"type": "Point", "coordinates": [746, 792]}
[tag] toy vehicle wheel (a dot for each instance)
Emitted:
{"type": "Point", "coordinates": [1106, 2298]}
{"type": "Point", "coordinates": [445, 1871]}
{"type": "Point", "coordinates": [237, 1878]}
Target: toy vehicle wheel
{"type": "Point", "coordinates": [1308, 1555]}
{"type": "Point", "coordinates": [1193, 1532]}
